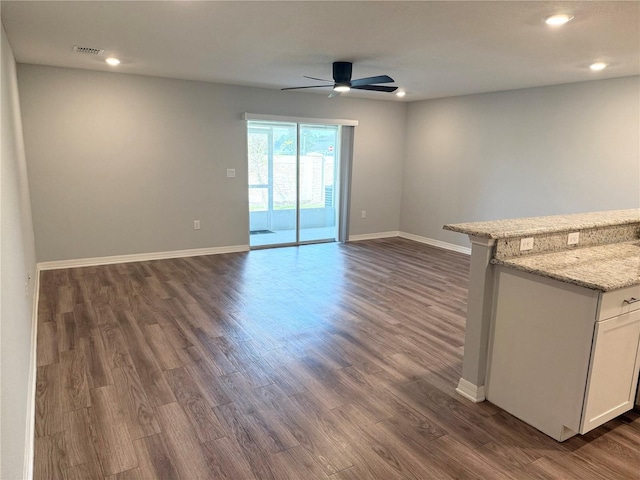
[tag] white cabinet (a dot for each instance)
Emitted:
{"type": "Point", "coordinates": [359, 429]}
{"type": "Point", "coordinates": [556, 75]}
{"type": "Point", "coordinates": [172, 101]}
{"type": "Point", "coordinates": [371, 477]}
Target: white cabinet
{"type": "Point", "coordinates": [563, 358]}
{"type": "Point", "coordinates": [613, 372]}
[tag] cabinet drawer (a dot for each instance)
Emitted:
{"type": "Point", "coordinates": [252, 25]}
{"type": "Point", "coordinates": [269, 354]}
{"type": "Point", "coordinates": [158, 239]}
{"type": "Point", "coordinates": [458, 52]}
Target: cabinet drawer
{"type": "Point", "coordinates": [619, 301]}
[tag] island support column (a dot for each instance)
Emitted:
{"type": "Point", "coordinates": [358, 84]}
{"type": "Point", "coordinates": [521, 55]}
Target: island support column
{"type": "Point", "coordinates": [479, 305]}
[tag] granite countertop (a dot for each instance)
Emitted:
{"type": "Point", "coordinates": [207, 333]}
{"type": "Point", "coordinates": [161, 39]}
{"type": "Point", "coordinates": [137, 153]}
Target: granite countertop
{"type": "Point", "coordinates": [603, 267]}
{"type": "Point", "coordinates": [524, 227]}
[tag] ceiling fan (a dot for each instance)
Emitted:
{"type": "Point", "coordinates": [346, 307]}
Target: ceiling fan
{"type": "Point", "coordinates": [342, 81]}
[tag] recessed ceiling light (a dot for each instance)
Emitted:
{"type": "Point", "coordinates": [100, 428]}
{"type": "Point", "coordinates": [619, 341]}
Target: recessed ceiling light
{"type": "Point", "coordinates": [597, 66]}
{"type": "Point", "coordinates": [559, 19]}
{"type": "Point", "coordinates": [342, 88]}
{"type": "Point", "coordinates": [401, 93]}
{"type": "Point", "coordinates": [112, 61]}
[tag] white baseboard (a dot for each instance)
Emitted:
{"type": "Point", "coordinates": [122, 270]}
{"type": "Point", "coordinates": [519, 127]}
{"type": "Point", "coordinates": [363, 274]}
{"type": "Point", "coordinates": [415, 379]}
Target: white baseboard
{"type": "Point", "coordinates": [470, 391]}
{"type": "Point", "coordinates": [29, 449]}
{"type": "Point", "coordinates": [372, 236]}
{"type": "Point", "coordinates": [140, 257]}
{"type": "Point", "coordinates": [436, 243]}
{"type": "Point", "coordinates": [410, 236]}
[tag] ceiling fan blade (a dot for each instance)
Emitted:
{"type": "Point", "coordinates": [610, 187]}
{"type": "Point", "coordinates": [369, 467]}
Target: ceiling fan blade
{"type": "Point", "coordinates": [376, 88]}
{"type": "Point", "coordinates": [319, 79]}
{"type": "Point", "coordinates": [370, 80]}
{"type": "Point", "coordinates": [310, 86]}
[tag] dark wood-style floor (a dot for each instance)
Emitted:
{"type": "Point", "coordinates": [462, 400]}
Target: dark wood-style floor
{"type": "Point", "coordinates": [324, 361]}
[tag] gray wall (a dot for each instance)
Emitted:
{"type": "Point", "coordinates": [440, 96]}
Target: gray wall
{"type": "Point", "coordinates": [123, 164]}
{"type": "Point", "coordinates": [17, 264]}
{"type": "Point", "coordinates": [539, 151]}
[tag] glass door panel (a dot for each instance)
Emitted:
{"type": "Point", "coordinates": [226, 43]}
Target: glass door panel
{"type": "Point", "coordinates": [273, 199]}
{"type": "Point", "coordinates": [293, 183]}
{"type": "Point", "coordinates": [318, 182]}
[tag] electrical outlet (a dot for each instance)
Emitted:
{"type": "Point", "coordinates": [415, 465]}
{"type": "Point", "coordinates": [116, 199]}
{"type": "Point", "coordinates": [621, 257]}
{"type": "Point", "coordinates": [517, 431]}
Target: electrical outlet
{"type": "Point", "coordinates": [526, 244]}
{"type": "Point", "coordinates": [573, 238]}
{"type": "Point", "coordinates": [196, 224]}
{"type": "Point", "coordinates": [363, 214]}
{"type": "Point", "coordinates": [231, 172]}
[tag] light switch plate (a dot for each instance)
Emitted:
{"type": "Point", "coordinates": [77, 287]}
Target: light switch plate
{"type": "Point", "coordinates": [231, 172]}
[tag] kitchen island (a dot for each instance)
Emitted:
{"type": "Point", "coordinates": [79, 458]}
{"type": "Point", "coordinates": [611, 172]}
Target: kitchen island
{"type": "Point", "coordinates": [553, 330]}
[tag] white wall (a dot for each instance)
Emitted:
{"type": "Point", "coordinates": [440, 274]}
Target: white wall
{"type": "Point", "coordinates": [123, 164]}
{"type": "Point", "coordinates": [539, 151]}
{"type": "Point", "coordinates": [17, 264]}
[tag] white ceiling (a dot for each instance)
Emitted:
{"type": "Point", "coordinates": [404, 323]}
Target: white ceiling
{"type": "Point", "coordinates": [432, 49]}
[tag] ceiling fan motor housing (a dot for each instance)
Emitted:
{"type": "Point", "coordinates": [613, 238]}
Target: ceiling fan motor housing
{"type": "Point", "coordinates": [342, 72]}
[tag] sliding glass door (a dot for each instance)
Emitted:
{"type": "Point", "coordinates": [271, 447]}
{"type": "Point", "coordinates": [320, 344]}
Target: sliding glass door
{"type": "Point", "coordinates": [273, 196]}
{"type": "Point", "coordinates": [293, 183]}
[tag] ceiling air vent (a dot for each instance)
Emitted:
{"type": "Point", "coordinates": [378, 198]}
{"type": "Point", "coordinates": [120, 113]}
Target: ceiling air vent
{"type": "Point", "coordinates": [88, 50]}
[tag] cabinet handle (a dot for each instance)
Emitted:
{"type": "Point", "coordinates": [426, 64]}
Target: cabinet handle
{"type": "Point", "coordinates": [632, 300]}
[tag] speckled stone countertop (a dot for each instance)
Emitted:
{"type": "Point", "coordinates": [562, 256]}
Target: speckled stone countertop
{"type": "Point", "coordinates": [603, 267]}
{"type": "Point", "coordinates": [522, 227]}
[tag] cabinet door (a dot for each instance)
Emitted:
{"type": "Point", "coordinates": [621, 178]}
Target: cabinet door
{"type": "Point", "coordinates": [613, 370]}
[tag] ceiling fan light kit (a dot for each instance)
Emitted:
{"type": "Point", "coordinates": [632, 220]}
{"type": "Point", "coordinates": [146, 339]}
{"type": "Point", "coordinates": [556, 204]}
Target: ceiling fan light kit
{"type": "Point", "coordinates": [342, 81]}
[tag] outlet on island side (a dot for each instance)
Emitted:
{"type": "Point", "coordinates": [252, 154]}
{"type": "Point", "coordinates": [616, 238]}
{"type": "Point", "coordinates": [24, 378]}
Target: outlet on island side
{"type": "Point", "coordinates": [573, 238]}
{"type": "Point", "coordinates": [526, 244]}
{"type": "Point", "coordinates": [363, 214]}
{"type": "Point", "coordinates": [196, 224]}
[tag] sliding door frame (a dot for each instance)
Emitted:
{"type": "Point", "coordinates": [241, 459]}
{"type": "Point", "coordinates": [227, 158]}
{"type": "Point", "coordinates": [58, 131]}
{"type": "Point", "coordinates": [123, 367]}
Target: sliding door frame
{"type": "Point", "coordinates": [342, 175]}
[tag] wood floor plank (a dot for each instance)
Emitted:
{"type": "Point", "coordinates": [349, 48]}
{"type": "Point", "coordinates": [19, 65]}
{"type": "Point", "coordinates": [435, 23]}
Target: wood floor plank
{"type": "Point", "coordinates": [80, 449]}
{"type": "Point", "coordinates": [244, 435]}
{"type": "Point", "coordinates": [295, 460]}
{"type": "Point", "coordinates": [176, 336]}
{"type": "Point", "coordinates": [133, 474]}
{"type": "Point", "coordinates": [154, 459]}
{"type": "Point", "coordinates": [151, 376]}
{"type": "Point", "coordinates": [109, 432]}
{"type": "Point", "coordinates": [66, 332]}
{"type": "Point", "coordinates": [85, 318]}
{"type": "Point", "coordinates": [257, 417]}
{"type": "Point", "coordinates": [382, 451]}
{"type": "Point", "coordinates": [568, 468]}
{"type": "Point", "coordinates": [204, 422]}
{"type": "Point", "coordinates": [97, 363]}
{"type": "Point", "coordinates": [441, 413]}
{"type": "Point", "coordinates": [115, 346]}
{"type": "Point", "coordinates": [322, 446]}
{"type": "Point", "coordinates": [49, 400]}
{"type": "Point", "coordinates": [182, 443]}
{"type": "Point", "coordinates": [139, 414]}
{"type": "Point", "coordinates": [323, 438]}
{"type": "Point", "coordinates": [51, 449]}
{"type": "Point", "coordinates": [208, 383]}
{"type": "Point", "coordinates": [230, 458]}
{"type": "Point", "coordinates": [65, 300]}
{"type": "Point", "coordinates": [47, 345]}
{"type": "Point", "coordinates": [75, 389]}
{"type": "Point", "coordinates": [85, 471]}
{"type": "Point", "coordinates": [618, 459]}
{"type": "Point", "coordinates": [282, 372]}
{"type": "Point", "coordinates": [162, 348]}
{"type": "Point", "coordinates": [325, 361]}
